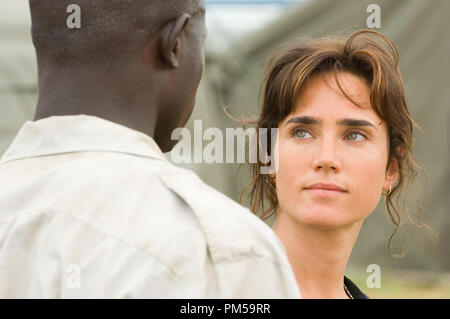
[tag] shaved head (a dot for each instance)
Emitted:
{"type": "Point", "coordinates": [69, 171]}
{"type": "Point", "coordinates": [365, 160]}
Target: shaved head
{"type": "Point", "coordinates": [133, 62]}
{"type": "Point", "coordinates": [112, 31]}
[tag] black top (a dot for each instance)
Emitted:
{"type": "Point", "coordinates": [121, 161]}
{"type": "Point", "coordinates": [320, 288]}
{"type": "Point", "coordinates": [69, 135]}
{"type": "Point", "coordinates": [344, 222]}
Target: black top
{"type": "Point", "coordinates": [354, 291]}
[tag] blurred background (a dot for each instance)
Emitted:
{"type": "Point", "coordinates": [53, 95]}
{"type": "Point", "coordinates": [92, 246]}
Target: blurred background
{"type": "Point", "coordinates": [241, 36]}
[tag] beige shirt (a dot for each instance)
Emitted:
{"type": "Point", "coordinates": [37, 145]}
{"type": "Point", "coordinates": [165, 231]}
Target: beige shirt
{"type": "Point", "coordinates": [92, 209]}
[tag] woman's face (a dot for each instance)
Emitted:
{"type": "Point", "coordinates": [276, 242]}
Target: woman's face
{"type": "Point", "coordinates": [332, 155]}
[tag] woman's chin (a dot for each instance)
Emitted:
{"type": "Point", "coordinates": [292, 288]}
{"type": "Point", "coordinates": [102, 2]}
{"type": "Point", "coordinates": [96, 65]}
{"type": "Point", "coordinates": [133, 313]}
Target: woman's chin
{"type": "Point", "coordinates": [324, 218]}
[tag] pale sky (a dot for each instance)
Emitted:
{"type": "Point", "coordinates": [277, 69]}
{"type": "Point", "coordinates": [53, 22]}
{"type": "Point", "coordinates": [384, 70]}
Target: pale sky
{"type": "Point", "coordinates": [229, 19]}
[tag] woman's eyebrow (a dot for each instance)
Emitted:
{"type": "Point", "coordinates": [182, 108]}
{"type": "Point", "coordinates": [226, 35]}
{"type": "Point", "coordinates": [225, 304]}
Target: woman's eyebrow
{"type": "Point", "coordinates": [310, 120]}
{"type": "Point", "coordinates": [304, 120]}
{"type": "Point", "coordinates": [355, 122]}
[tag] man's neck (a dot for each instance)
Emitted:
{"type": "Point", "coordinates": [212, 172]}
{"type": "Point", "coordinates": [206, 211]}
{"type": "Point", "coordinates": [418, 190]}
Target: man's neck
{"type": "Point", "coordinates": [91, 94]}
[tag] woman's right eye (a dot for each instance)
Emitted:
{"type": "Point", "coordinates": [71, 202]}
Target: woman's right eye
{"type": "Point", "coordinates": [301, 133]}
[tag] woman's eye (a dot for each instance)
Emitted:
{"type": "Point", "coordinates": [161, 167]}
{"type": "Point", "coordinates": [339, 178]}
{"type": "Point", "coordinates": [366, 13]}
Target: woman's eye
{"type": "Point", "coordinates": [355, 136]}
{"type": "Point", "coordinates": [299, 133]}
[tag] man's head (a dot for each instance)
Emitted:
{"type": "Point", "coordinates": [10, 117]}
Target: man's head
{"type": "Point", "coordinates": [151, 49]}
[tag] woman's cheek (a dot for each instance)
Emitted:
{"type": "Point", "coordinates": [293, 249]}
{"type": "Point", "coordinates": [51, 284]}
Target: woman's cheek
{"type": "Point", "coordinates": [368, 178]}
{"type": "Point", "coordinates": [293, 163]}
{"type": "Point", "coordinates": [290, 169]}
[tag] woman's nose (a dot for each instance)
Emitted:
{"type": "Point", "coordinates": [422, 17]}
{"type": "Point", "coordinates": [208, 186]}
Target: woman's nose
{"type": "Point", "coordinates": [326, 157]}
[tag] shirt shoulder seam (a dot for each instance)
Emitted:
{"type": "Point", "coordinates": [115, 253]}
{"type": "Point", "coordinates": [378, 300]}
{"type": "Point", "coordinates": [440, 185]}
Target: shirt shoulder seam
{"type": "Point", "coordinates": [5, 161]}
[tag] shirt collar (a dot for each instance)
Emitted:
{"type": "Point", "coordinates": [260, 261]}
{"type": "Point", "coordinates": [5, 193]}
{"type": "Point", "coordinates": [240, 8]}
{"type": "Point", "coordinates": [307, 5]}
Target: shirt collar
{"type": "Point", "coordinates": [78, 133]}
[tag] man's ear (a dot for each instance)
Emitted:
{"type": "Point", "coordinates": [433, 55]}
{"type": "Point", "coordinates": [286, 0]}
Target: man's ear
{"type": "Point", "coordinates": [170, 40]}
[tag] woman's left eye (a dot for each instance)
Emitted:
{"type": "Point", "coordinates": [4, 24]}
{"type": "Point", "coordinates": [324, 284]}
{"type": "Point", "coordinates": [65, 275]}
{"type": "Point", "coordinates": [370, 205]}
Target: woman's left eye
{"type": "Point", "coordinates": [355, 136]}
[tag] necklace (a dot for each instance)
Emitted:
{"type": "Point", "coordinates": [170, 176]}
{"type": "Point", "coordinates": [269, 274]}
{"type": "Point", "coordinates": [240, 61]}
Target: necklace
{"type": "Point", "coordinates": [348, 292]}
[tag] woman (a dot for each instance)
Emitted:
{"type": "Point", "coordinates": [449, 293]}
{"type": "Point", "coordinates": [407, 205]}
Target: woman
{"type": "Point", "coordinates": [344, 139]}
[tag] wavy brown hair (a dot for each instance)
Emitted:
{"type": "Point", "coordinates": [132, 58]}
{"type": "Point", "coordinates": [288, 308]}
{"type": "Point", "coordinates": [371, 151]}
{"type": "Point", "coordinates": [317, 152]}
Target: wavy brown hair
{"type": "Point", "coordinates": [365, 53]}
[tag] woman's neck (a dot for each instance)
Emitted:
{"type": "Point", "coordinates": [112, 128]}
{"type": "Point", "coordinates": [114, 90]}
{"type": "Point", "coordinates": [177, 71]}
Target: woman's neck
{"type": "Point", "coordinates": [318, 256]}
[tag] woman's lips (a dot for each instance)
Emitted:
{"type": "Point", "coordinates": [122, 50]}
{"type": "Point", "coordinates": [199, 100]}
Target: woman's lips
{"type": "Point", "coordinates": [324, 192]}
{"type": "Point", "coordinates": [325, 186]}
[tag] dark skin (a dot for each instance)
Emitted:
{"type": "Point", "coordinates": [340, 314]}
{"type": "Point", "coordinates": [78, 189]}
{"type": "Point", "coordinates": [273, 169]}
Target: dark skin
{"type": "Point", "coordinates": [154, 93]}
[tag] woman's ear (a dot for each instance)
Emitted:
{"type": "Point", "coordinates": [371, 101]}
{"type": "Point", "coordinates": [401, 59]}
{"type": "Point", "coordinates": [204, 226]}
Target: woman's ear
{"type": "Point", "coordinates": [170, 40]}
{"type": "Point", "coordinates": [391, 175]}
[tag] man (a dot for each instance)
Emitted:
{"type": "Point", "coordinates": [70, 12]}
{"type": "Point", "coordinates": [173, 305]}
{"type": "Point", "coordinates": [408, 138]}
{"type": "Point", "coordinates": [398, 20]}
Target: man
{"type": "Point", "coordinates": [90, 206]}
